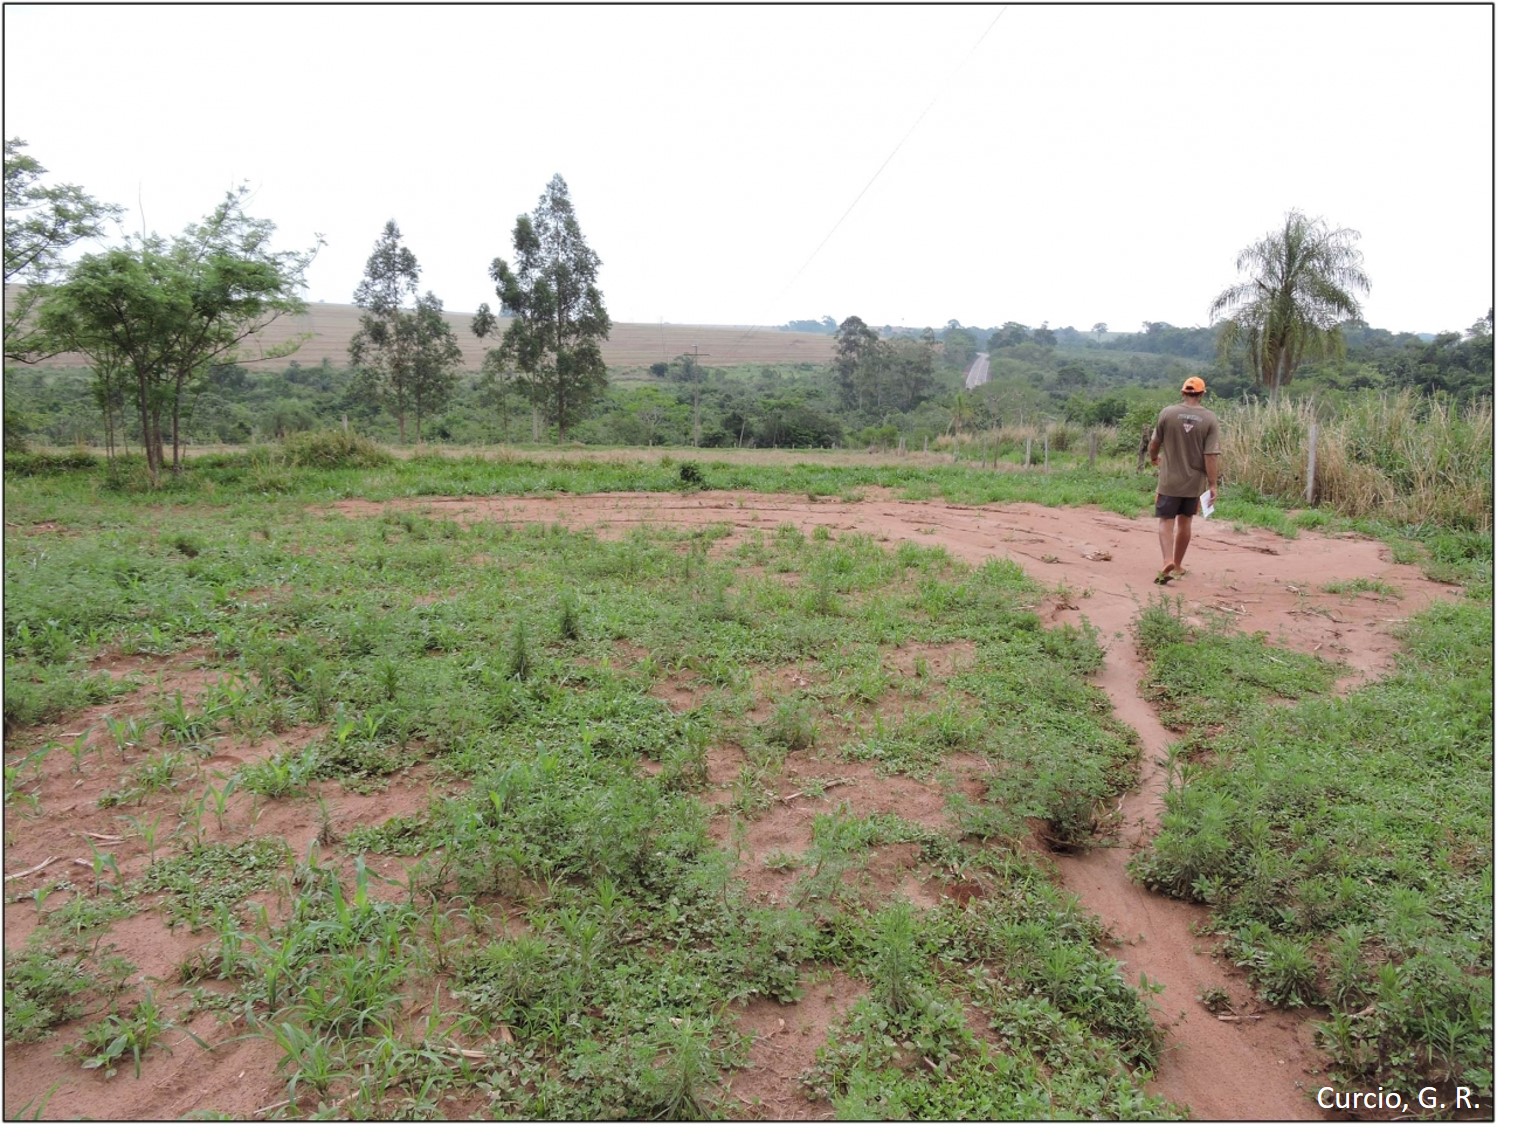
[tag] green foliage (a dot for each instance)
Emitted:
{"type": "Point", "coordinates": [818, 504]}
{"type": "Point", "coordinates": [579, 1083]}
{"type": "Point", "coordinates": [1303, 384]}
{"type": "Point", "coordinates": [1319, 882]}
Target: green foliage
{"type": "Point", "coordinates": [119, 1036]}
{"type": "Point", "coordinates": [154, 315]}
{"type": "Point", "coordinates": [281, 775]}
{"type": "Point", "coordinates": [1203, 681]}
{"type": "Point", "coordinates": [1073, 1039]}
{"type": "Point", "coordinates": [792, 724]}
{"type": "Point", "coordinates": [333, 450]}
{"type": "Point", "coordinates": [210, 875]}
{"type": "Point", "coordinates": [570, 884]}
{"type": "Point", "coordinates": [1300, 293]}
{"type": "Point", "coordinates": [42, 990]}
{"type": "Point", "coordinates": [41, 223]}
{"type": "Point", "coordinates": [557, 312]}
{"type": "Point", "coordinates": [29, 463]}
{"type": "Point", "coordinates": [404, 352]}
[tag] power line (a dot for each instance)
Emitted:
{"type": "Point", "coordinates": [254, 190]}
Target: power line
{"type": "Point", "coordinates": [942, 90]}
{"type": "Point", "coordinates": [897, 147]}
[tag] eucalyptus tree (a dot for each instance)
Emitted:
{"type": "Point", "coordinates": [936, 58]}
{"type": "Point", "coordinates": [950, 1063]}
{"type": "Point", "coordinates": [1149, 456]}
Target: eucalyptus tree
{"type": "Point", "coordinates": [158, 314]}
{"type": "Point", "coordinates": [1301, 290]}
{"type": "Point", "coordinates": [405, 353]}
{"type": "Point", "coordinates": [556, 311]}
{"type": "Point", "coordinates": [855, 346]}
{"type": "Point", "coordinates": [41, 223]}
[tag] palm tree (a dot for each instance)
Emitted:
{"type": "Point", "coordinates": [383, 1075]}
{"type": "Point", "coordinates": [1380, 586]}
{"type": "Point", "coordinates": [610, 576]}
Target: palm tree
{"type": "Point", "coordinates": [1300, 293]}
{"type": "Point", "coordinates": [962, 413]}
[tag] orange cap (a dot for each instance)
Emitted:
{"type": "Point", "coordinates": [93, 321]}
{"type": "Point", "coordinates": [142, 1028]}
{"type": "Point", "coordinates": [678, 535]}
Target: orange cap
{"type": "Point", "coordinates": [1193, 386]}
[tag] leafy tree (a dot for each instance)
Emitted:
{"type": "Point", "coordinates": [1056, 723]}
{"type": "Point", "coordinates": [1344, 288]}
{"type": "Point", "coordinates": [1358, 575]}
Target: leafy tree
{"type": "Point", "coordinates": [880, 374]}
{"type": "Point", "coordinates": [1073, 375]}
{"type": "Point", "coordinates": [958, 345]}
{"type": "Point", "coordinates": [1009, 335]}
{"type": "Point", "coordinates": [1303, 280]}
{"type": "Point", "coordinates": [41, 223]}
{"type": "Point", "coordinates": [404, 352]}
{"type": "Point", "coordinates": [160, 314]}
{"type": "Point", "coordinates": [855, 343]}
{"type": "Point", "coordinates": [557, 314]}
{"type": "Point", "coordinates": [907, 373]}
{"type": "Point", "coordinates": [691, 376]}
{"type": "Point", "coordinates": [434, 355]}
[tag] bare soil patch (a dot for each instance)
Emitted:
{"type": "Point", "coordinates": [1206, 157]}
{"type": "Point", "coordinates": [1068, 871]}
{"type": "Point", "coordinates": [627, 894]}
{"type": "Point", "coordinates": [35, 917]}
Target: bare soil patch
{"type": "Point", "coordinates": [238, 1074]}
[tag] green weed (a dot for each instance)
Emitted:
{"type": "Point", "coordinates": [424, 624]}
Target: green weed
{"type": "Point", "coordinates": [122, 1036]}
{"type": "Point", "coordinates": [42, 990]}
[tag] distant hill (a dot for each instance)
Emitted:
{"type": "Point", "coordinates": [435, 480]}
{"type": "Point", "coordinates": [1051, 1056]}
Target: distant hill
{"type": "Point", "coordinates": [329, 328]}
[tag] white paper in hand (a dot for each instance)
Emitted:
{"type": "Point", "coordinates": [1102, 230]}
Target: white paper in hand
{"type": "Point", "coordinates": [1207, 503]}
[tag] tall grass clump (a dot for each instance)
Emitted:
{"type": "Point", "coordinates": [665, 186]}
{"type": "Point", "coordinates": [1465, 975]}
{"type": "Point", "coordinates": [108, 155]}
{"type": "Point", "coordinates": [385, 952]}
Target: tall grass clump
{"type": "Point", "coordinates": [333, 450]}
{"type": "Point", "coordinates": [1400, 457]}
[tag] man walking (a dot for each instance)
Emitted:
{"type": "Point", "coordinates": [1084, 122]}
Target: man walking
{"type": "Point", "coordinates": [1187, 437]}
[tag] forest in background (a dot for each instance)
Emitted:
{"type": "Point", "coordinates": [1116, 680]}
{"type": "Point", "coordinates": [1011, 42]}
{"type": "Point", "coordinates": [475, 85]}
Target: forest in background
{"type": "Point", "coordinates": [1037, 375]}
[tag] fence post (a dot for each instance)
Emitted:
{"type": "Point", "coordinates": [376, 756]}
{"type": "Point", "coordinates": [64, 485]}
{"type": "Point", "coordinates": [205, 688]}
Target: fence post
{"type": "Point", "coordinates": [1028, 460]}
{"type": "Point", "coordinates": [1045, 453]}
{"type": "Point", "coordinates": [1091, 461]}
{"type": "Point", "coordinates": [1309, 487]}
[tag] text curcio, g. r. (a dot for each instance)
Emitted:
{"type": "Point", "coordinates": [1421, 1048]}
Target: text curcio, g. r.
{"type": "Point", "coordinates": [1428, 1099]}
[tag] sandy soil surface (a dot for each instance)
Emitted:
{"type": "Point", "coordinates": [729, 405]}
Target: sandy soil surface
{"type": "Point", "coordinates": [1249, 1064]}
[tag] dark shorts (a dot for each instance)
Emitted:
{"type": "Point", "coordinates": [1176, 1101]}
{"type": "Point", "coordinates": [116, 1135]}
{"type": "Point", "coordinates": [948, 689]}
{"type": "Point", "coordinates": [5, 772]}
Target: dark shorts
{"type": "Point", "coordinates": [1166, 506]}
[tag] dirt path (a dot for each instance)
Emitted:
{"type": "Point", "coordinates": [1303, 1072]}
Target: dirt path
{"type": "Point", "coordinates": [1260, 1067]}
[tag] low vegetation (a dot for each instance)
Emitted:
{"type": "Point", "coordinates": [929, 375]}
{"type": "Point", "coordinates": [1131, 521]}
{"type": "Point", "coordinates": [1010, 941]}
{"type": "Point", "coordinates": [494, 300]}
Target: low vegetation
{"type": "Point", "coordinates": [1343, 844]}
{"type": "Point", "coordinates": [568, 931]}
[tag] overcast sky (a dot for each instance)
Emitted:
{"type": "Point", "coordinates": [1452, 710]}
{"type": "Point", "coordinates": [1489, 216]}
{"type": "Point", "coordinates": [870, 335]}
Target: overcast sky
{"type": "Point", "coordinates": [752, 165]}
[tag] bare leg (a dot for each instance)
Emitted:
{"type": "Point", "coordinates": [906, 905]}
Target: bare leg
{"type": "Point", "coordinates": [1167, 550]}
{"type": "Point", "coordinates": [1183, 539]}
{"type": "Point", "coordinates": [1168, 541]}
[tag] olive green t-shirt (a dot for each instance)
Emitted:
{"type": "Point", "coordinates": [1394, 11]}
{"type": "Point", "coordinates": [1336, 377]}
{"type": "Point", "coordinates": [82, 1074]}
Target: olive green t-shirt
{"type": "Point", "coordinates": [1185, 433]}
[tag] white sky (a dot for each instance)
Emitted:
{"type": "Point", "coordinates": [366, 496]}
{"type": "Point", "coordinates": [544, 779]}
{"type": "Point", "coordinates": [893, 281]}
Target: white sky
{"type": "Point", "coordinates": [1069, 164]}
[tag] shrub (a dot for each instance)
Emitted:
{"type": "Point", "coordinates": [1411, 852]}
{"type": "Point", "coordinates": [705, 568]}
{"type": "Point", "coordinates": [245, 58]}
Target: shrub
{"type": "Point", "coordinates": [333, 449]}
{"type": "Point", "coordinates": [29, 463]}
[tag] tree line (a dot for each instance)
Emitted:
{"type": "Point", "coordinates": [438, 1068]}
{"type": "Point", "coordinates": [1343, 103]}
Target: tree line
{"type": "Point", "coordinates": [168, 325]}
{"type": "Point", "coordinates": [159, 318]}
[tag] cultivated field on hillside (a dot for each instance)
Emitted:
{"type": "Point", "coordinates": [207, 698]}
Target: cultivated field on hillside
{"type": "Point", "coordinates": [329, 328]}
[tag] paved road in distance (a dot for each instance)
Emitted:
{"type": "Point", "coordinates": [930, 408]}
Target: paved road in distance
{"type": "Point", "coordinates": [978, 374]}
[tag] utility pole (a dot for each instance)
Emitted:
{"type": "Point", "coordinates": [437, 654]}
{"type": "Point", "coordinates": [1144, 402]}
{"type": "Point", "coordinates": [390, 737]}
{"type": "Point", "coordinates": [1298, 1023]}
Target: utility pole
{"type": "Point", "coordinates": [694, 374]}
